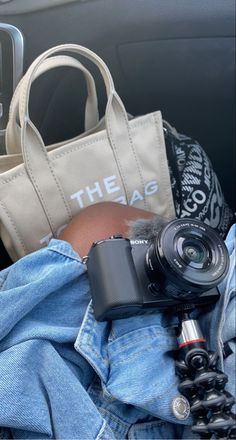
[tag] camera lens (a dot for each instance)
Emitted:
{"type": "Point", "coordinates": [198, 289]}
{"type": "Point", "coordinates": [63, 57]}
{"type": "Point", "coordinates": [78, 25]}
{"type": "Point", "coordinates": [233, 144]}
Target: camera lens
{"type": "Point", "coordinates": [189, 256]}
{"type": "Point", "coordinates": [194, 251]}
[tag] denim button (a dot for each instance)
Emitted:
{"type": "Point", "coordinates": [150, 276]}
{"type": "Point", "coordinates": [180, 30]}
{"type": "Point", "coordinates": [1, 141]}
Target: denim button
{"type": "Point", "coordinates": [180, 408]}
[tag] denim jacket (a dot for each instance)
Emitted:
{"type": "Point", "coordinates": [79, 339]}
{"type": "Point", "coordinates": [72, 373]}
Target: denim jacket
{"type": "Point", "coordinates": [65, 375]}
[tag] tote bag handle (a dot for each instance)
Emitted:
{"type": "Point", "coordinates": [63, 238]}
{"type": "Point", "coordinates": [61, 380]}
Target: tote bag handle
{"type": "Point", "coordinates": [91, 107]}
{"type": "Point", "coordinates": [36, 159]}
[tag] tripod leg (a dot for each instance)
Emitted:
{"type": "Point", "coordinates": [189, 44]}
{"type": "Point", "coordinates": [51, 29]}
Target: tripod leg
{"type": "Point", "coordinates": [203, 384]}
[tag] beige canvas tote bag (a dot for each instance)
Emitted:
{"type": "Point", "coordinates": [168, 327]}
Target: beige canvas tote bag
{"type": "Point", "coordinates": [13, 131]}
{"type": "Point", "coordinates": [118, 159]}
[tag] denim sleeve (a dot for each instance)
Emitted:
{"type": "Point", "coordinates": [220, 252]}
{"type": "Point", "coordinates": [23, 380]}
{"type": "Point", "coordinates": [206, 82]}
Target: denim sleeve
{"type": "Point", "coordinates": [224, 317]}
{"type": "Point", "coordinates": [219, 324]}
{"type": "Point", "coordinates": [133, 358]}
{"type": "Point", "coordinates": [43, 298]}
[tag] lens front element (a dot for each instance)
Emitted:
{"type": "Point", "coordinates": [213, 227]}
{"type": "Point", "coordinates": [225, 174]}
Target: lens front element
{"type": "Point", "coordinates": [194, 252]}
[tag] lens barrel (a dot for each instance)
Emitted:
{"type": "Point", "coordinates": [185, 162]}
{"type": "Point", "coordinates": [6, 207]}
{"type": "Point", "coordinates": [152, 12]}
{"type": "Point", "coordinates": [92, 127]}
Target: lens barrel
{"type": "Point", "coordinates": [190, 256]}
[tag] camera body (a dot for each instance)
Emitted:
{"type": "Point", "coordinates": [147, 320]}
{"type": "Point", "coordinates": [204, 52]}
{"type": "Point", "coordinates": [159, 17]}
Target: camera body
{"type": "Point", "coordinates": [183, 264]}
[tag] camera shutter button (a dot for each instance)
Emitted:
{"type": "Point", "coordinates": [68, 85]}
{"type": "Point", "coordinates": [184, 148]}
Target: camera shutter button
{"type": "Point", "coordinates": [116, 236]}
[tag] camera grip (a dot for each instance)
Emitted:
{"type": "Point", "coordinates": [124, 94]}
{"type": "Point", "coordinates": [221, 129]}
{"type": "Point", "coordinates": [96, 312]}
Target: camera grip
{"type": "Point", "coordinates": [115, 289]}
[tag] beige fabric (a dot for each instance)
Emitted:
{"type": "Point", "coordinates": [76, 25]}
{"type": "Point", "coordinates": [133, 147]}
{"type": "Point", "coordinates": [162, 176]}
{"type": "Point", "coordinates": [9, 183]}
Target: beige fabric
{"type": "Point", "coordinates": [125, 161]}
{"type": "Point", "coordinates": [91, 109]}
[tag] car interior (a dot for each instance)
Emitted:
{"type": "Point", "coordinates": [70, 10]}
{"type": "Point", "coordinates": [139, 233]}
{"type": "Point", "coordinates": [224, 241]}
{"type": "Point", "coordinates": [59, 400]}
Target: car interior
{"type": "Point", "coordinates": [177, 57]}
{"type": "Point", "coordinates": [174, 56]}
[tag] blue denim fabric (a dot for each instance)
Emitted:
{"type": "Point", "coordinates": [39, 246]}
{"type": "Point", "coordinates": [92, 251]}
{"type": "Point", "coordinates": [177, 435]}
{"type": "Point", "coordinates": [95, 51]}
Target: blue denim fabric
{"type": "Point", "coordinates": [219, 324]}
{"type": "Point", "coordinates": [64, 375]}
{"type": "Point", "coordinates": [43, 380]}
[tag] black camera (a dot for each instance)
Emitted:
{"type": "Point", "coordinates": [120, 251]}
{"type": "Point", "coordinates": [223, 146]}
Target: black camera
{"type": "Point", "coordinates": [183, 264]}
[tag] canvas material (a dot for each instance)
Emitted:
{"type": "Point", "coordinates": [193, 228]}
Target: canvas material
{"type": "Point", "coordinates": [13, 138]}
{"type": "Point", "coordinates": [124, 162]}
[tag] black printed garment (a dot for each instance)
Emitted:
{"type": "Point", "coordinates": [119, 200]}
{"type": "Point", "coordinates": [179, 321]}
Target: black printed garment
{"type": "Point", "coordinates": [196, 190]}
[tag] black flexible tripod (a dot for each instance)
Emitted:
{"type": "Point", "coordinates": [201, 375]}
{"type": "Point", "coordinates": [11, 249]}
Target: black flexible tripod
{"type": "Point", "coordinates": [203, 384]}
